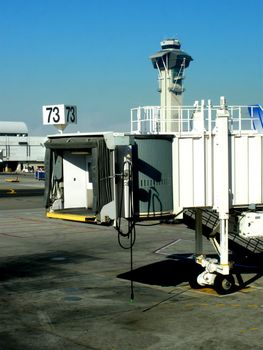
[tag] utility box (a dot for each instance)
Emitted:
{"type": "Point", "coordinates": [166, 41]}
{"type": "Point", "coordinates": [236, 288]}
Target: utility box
{"type": "Point", "coordinates": [251, 224]}
{"type": "Point", "coordinates": [101, 177]}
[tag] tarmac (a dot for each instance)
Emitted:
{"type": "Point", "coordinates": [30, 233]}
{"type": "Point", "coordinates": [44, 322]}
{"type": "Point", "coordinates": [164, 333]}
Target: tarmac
{"type": "Point", "coordinates": [67, 286]}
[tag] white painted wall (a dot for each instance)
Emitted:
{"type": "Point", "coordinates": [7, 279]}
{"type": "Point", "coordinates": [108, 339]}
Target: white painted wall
{"type": "Point", "coordinates": [198, 171]}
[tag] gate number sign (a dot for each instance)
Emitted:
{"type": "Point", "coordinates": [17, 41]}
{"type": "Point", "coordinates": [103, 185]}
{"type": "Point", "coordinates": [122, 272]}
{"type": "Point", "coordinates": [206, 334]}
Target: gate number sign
{"type": "Point", "coordinates": [59, 115]}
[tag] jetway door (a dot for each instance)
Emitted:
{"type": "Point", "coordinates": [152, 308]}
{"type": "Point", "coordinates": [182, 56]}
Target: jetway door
{"type": "Point", "coordinates": [76, 180]}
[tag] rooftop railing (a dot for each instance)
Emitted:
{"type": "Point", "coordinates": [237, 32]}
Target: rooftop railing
{"type": "Point", "coordinates": [198, 118]}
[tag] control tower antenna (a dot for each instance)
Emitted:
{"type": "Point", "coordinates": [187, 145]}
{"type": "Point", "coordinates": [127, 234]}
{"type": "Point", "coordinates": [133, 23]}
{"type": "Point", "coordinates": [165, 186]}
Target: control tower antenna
{"type": "Point", "coordinates": [170, 63]}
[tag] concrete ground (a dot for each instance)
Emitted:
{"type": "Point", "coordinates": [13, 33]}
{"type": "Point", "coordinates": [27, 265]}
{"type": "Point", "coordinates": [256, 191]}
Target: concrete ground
{"type": "Point", "coordinates": [66, 286]}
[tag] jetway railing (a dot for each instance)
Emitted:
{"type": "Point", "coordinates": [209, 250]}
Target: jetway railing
{"type": "Point", "coordinates": [199, 118]}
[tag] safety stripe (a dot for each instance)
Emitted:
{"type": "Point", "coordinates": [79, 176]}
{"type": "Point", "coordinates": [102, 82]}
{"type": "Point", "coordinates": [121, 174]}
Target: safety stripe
{"type": "Point", "coordinates": [71, 217]}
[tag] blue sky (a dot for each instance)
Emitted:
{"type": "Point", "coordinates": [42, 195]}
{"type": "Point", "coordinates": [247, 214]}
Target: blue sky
{"type": "Point", "coordinates": [95, 54]}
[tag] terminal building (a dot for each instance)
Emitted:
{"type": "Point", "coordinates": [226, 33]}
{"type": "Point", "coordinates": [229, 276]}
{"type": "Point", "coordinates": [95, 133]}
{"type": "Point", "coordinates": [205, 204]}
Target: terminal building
{"type": "Point", "coordinates": [18, 150]}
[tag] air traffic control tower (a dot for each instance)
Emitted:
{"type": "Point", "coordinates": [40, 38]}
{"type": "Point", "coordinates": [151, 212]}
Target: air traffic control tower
{"type": "Point", "coordinates": [170, 63]}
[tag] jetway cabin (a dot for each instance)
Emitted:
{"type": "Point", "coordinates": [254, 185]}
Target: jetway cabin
{"type": "Point", "coordinates": [100, 177]}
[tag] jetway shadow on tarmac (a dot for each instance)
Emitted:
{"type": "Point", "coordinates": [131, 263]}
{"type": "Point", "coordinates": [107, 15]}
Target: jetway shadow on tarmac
{"type": "Point", "coordinates": [164, 273]}
{"type": "Point", "coordinates": [179, 268]}
{"type": "Point", "coordinates": [38, 265]}
{"type": "Point", "coordinates": [171, 272]}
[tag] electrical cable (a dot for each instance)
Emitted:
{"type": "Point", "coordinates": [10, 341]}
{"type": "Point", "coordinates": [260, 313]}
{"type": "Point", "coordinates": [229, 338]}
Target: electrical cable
{"type": "Point", "coordinates": [131, 264]}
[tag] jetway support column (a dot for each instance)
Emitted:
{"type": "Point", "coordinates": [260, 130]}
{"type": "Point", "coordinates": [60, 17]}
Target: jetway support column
{"type": "Point", "coordinates": [222, 183]}
{"type": "Point", "coordinates": [198, 232]}
{"type": "Point", "coordinates": [216, 272]}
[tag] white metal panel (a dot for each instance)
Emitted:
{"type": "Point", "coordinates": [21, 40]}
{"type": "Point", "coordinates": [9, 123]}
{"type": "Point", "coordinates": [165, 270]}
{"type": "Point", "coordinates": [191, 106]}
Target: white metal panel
{"type": "Point", "coordinates": [247, 169]}
{"type": "Point", "coordinates": [23, 149]}
{"type": "Point", "coordinates": [190, 170]}
{"type": "Point", "coordinates": [18, 153]}
{"type": "Point", "coordinates": [254, 169]}
{"type": "Point", "coordinates": [199, 171]}
{"type": "Point", "coordinates": [240, 170]}
{"type": "Point", "coordinates": [36, 153]}
{"type": "Point", "coordinates": [176, 176]}
{"type": "Point", "coordinates": [185, 167]}
{"type": "Point", "coordinates": [209, 173]}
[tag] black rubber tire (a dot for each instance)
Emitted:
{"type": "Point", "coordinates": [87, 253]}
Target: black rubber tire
{"type": "Point", "coordinates": [193, 278]}
{"type": "Point", "coordinates": [224, 284]}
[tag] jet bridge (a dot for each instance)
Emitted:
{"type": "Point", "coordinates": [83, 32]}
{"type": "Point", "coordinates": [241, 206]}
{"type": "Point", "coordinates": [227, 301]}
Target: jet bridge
{"type": "Point", "coordinates": [217, 169]}
{"type": "Point", "coordinates": [212, 164]}
{"type": "Point", "coordinates": [101, 177]}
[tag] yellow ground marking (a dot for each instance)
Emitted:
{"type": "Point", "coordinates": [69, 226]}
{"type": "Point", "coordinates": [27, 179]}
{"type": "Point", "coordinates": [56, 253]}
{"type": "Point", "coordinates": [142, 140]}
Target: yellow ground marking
{"type": "Point", "coordinates": [220, 305]}
{"type": "Point", "coordinates": [209, 291]}
{"type": "Point", "coordinates": [71, 217]}
{"type": "Point", "coordinates": [223, 305]}
{"type": "Point", "coordinates": [252, 306]}
{"type": "Point", "coordinates": [212, 292]}
{"type": "Point", "coordinates": [11, 191]}
{"type": "Point", "coordinates": [251, 329]}
{"type": "Point", "coordinates": [12, 180]}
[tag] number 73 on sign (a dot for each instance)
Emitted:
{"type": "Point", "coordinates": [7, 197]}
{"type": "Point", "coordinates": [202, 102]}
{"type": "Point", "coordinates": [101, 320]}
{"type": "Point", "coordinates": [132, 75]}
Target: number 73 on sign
{"type": "Point", "coordinates": [59, 114]}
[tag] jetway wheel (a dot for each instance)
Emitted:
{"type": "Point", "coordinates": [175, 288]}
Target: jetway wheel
{"type": "Point", "coordinates": [193, 278]}
{"type": "Point", "coordinates": [224, 284]}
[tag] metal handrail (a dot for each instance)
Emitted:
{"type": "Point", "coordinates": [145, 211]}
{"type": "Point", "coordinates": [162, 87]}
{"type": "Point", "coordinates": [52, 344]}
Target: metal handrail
{"type": "Point", "coordinates": [152, 119]}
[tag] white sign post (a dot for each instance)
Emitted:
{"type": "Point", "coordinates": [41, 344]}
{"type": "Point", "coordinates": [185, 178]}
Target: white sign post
{"type": "Point", "coordinates": [59, 115]}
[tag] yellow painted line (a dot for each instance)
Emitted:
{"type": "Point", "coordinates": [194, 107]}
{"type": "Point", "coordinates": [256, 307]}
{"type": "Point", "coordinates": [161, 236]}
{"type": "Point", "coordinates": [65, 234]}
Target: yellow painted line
{"type": "Point", "coordinates": [220, 305]}
{"type": "Point", "coordinates": [235, 305]}
{"type": "Point", "coordinates": [253, 329]}
{"type": "Point", "coordinates": [252, 305]}
{"type": "Point", "coordinates": [11, 180]}
{"type": "Point", "coordinates": [247, 289]}
{"type": "Point", "coordinates": [210, 291]}
{"type": "Point", "coordinates": [11, 191]}
{"type": "Point", "coordinates": [70, 217]}
{"type": "Point", "coordinates": [189, 305]}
